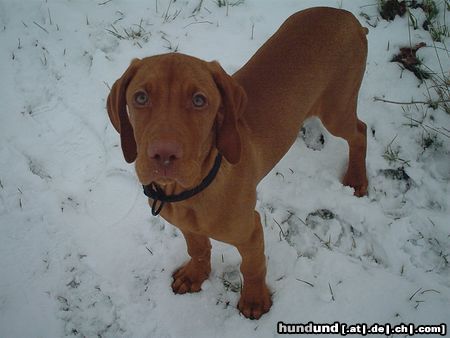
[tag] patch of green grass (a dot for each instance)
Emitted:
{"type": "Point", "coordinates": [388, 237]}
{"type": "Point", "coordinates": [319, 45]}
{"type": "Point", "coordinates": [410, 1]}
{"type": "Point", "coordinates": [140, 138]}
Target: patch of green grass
{"type": "Point", "coordinates": [437, 83]}
{"type": "Point", "coordinates": [439, 33]}
{"type": "Point", "coordinates": [430, 141]}
{"type": "Point", "coordinates": [430, 9]}
{"type": "Point", "coordinates": [232, 286]}
{"type": "Point", "coordinates": [224, 3]}
{"type": "Point", "coordinates": [389, 9]}
{"type": "Point", "coordinates": [135, 33]}
{"type": "Point", "coordinates": [392, 154]}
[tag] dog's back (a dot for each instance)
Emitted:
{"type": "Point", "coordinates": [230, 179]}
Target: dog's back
{"type": "Point", "coordinates": [316, 59]}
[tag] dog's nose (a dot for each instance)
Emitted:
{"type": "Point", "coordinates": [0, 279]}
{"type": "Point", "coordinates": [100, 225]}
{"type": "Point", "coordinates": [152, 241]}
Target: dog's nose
{"type": "Point", "coordinates": [165, 152]}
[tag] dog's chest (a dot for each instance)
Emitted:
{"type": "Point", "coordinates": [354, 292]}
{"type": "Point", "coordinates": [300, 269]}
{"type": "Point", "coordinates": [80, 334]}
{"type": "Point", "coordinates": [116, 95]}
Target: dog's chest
{"type": "Point", "coordinates": [198, 222]}
{"type": "Point", "coordinates": [184, 218]}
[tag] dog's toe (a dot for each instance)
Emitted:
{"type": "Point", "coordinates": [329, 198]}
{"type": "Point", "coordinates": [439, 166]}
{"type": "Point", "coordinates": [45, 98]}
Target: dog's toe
{"type": "Point", "coordinates": [358, 182]}
{"type": "Point", "coordinates": [254, 310]}
{"type": "Point", "coordinates": [189, 277]}
{"type": "Point", "coordinates": [361, 191]}
{"type": "Point", "coordinates": [254, 305]}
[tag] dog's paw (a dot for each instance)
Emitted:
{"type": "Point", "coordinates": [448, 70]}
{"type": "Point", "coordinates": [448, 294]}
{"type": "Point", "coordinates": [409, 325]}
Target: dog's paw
{"type": "Point", "coordinates": [189, 277]}
{"type": "Point", "coordinates": [358, 182]}
{"type": "Point", "coordinates": [254, 301]}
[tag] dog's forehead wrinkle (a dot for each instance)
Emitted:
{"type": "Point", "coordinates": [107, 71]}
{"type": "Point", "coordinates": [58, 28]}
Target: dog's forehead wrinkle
{"type": "Point", "coordinates": [175, 72]}
{"type": "Point", "coordinates": [184, 66]}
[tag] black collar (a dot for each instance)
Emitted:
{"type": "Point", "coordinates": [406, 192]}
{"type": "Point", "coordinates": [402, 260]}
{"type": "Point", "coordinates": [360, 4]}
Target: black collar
{"type": "Point", "coordinates": [155, 192]}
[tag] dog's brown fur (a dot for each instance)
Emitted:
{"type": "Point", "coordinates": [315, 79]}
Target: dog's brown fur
{"type": "Point", "coordinates": [312, 66]}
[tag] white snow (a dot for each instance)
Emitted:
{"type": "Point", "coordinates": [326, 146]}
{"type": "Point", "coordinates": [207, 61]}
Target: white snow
{"type": "Point", "coordinates": [80, 253]}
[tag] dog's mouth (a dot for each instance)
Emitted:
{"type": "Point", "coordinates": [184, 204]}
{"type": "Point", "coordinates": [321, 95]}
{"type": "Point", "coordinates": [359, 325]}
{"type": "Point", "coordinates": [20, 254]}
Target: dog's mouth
{"type": "Point", "coordinates": [165, 173]}
{"type": "Point", "coordinates": [167, 176]}
{"type": "Point", "coordinates": [184, 173]}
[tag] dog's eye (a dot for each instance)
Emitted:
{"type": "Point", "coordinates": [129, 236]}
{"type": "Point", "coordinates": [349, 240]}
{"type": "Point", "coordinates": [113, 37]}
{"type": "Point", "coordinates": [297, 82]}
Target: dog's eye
{"type": "Point", "coordinates": [141, 98]}
{"type": "Point", "coordinates": [199, 100]}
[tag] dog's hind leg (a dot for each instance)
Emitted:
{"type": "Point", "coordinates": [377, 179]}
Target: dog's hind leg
{"type": "Point", "coordinates": [343, 122]}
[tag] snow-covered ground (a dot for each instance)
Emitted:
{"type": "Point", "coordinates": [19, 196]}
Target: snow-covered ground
{"type": "Point", "coordinates": [80, 253]}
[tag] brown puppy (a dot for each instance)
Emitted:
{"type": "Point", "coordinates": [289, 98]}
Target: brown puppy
{"type": "Point", "coordinates": [183, 111]}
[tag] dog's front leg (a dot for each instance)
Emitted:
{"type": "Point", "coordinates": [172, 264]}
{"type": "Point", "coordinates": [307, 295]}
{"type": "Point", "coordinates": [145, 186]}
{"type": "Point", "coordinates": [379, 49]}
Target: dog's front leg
{"type": "Point", "coordinates": [255, 296]}
{"type": "Point", "coordinates": [190, 276]}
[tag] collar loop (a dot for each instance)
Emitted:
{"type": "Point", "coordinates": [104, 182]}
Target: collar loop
{"type": "Point", "coordinates": [156, 193]}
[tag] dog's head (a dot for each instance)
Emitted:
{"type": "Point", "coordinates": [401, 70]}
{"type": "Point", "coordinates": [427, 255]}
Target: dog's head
{"type": "Point", "coordinates": [171, 110]}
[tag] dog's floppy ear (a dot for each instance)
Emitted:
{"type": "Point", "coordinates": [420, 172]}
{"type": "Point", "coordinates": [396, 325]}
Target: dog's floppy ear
{"type": "Point", "coordinates": [234, 100]}
{"type": "Point", "coordinates": [117, 111]}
